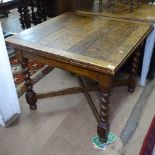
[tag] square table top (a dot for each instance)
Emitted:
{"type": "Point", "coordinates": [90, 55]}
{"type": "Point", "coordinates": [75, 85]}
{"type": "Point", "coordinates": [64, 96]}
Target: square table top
{"type": "Point", "coordinates": [98, 43]}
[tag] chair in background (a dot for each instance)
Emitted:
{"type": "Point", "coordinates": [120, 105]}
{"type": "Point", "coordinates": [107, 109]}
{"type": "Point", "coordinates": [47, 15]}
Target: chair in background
{"type": "Point", "coordinates": [22, 6]}
{"type": "Point", "coordinates": [38, 11]}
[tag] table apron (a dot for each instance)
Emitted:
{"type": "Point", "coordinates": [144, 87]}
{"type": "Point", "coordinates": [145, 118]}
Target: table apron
{"type": "Point", "coordinates": [95, 75]}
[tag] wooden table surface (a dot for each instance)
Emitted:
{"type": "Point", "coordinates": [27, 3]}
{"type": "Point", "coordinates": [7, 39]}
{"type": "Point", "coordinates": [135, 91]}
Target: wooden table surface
{"type": "Point", "coordinates": [98, 43]}
{"type": "Point", "coordinates": [94, 47]}
{"type": "Point", "coordinates": [145, 13]}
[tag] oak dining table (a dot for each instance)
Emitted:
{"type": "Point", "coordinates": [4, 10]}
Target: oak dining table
{"type": "Point", "coordinates": [144, 13]}
{"type": "Point", "coordinates": [95, 47]}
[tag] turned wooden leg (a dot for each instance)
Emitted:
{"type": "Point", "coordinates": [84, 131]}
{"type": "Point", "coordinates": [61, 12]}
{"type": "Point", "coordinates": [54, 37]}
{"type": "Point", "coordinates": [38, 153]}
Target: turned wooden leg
{"type": "Point", "coordinates": [131, 6]}
{"type": "Point", "coordinates": [33, 14]}
{"type": "Point", "coordinates": [30, 94]}
{"type": "Point", "coordinates": [100, 5]}
{"type": "Point", "coordinates": [104, 126]}
{"type": "Point", "coordinates": [44, 14]}
{"type": "Point", "coordinates": [133, 73]}
{"type": "Point", "coordinates": [20, 10]}
{"type": "Point", "coordinates": [26, 17]}
{"type": "Point", "coordinates": [40, 12]}
{"type": "Point", "coordinates": [112, 2]}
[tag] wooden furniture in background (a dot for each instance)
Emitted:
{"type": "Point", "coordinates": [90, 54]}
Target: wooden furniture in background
{"type": "Point", "coordinates": [144, 14]}
{"type": "Point", "coordinates": [38, 11]}
{"type": "Point", "coordinates": [57, 7]}
{"type": "Point", "coordinates": [22, 6]}
{"type": "Point", "coordinates": [94, 47]}
{"type": "Point", "coordinates": [53, 8]}
{"type": "Point", "coordinates": [132, 4]}
{"type": "Point", "coordinates": [50, 7]}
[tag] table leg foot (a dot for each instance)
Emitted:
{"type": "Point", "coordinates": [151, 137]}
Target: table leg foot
{"type": "Point", "coordinates": [133, 73]}
{"type": "Point", "coordinates": [104, 126]}
{"type": "Point", "coordinates": [30, 94]}
{"type": "Point", "coordinates": [103, 131]}
{"type": "Point", "coordinates": [31, 100]}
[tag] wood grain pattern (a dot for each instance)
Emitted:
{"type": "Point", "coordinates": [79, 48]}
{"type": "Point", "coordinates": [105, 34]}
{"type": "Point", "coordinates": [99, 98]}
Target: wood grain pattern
{"type": "Point", "coordinates": [145, 13]}
{"type": "Point", "coordinates": [94, 47]}
{"type": "Point", "coordinates": [102, 43]}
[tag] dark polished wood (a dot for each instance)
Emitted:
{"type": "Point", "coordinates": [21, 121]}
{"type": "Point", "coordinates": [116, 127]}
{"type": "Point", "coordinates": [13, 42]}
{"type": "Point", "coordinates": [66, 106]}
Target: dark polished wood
{"type": "Point", "coordinates": [104, 126]}
{"type": "Point", "coordinates": [134, 70]}
{"type": "Point", "coordinates": [41, 13]}
{"type": "Point", "coordinates": [20, 11]}
{"type": "Point", "coordinates": [30, 94]}
{"type": "Point", "coordinates": [89, 46]}
{"type": "Point", "coordinates": [22, 6]}
{"type": "Point", "coordinates": [132, 6]}
{"type": "Point", "coordinates": [57, 7]}
{"type": "Point", "coordinates": [38, 11]}
{"type": "Point", "coordinates": [51, 7]}
{"type": "Point", "coordinates": [66, 91]}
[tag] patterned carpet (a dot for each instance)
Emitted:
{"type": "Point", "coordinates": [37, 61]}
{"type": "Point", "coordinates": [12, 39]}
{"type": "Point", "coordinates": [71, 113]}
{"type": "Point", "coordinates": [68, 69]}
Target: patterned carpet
{"type": "Point", "coordinates": [37, 71]}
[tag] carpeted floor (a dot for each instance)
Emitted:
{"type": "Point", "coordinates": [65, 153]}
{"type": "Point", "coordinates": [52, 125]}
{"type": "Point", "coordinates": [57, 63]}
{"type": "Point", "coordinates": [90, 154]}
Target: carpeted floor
{"type": "Point", "coordinates": [37, 71]}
